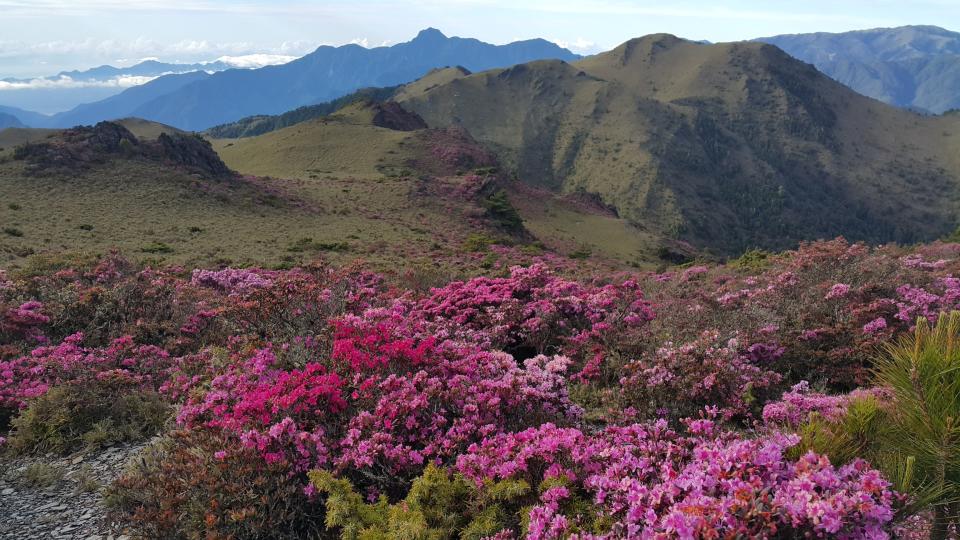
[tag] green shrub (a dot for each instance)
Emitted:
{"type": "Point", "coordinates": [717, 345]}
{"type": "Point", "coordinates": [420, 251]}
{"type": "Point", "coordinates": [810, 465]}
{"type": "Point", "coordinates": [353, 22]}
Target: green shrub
{"type": "Point", "coordinates": [583, 252]}
{"type": "Point", "coordinates": [439, 505]}
{"type": "Point", "coordinates": [500, 210]}
{"type": "Point", "coordinates": [308, 244]}
{"type": "Point", "coordinates": [14, 206]}
{"type": "Point", "coordinates": [442, 505]}
{"type": "Point", "coordinates": [755, 260]}
{"type": "Point", "coordinates": [88, 414]}
{"type": "Point", "coordinates": [478, 242]}
{"type": "Point", "coordinates": [156, 247]}
{"type": "Point", "coordinates": [13, 231]}
{"type": "Point", "coordinates": [182, 487]}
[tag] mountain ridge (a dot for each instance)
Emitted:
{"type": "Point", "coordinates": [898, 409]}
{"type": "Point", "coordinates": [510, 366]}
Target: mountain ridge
{"type": "Point", "coordinates": [915, 67]}
{"type": "Point", "coordinates": [729, 146]}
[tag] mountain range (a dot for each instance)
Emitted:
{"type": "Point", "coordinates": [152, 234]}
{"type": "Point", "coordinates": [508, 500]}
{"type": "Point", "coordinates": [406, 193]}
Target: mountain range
{"type": "Point", "coordinates": [69, 89]}
{"type": "Point", "coordinates": [661, 145]}
{"type": "Point", "coordinates": [915, 67]}
{"type": "Point", "coordinates": [726, 146]}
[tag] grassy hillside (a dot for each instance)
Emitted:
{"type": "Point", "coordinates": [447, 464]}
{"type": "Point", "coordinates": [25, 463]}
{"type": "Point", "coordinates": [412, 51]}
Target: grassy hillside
{"type": "Point", "coordinates": [338, 187]}
{"type": "Point", "coordinates": [345, 148]}
{"type": "Point", "coordinates": [727, 146]}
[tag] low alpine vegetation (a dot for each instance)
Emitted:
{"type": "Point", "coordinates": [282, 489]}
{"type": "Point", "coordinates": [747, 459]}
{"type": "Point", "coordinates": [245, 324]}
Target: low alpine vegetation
{"type": "Point", "coordinates": [799, 395]}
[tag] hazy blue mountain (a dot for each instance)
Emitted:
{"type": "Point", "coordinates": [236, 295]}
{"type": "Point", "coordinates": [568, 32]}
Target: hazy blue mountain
{"type": "Point", "coordinates": [9, 120]}
{"type": "Point", "coordinates": [27, 118]}
{"type": "Point", "coordinates": [147, 68]}
{"type": "Point", "coordinates": [125, 103]}
{"type": "Point", "coordinates": [331, 72]}
{"type": "Point", "coordinates": [915, 67]}
{"type": "Point", "coordinates": [68, 89]}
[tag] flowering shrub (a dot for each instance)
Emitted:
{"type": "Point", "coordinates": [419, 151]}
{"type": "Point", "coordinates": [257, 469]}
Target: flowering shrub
{"type": "Point", "coordinates": [706, 372]}
{"type": "Point", "coordinates": [23, 322]}
{"type": "Point", "coordinates": [535, 312]}
{"type": "Point", "coordinates": [656, 483]}
{"type": "Point", "coordinates": [31, 376]}
{"type": "Point", "coordinates": [534, 403]}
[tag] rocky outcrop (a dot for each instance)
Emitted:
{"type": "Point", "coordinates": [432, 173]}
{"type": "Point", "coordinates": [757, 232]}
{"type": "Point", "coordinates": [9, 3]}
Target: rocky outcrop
{"type": "Point", "coordinates": [84, 147]}
{"type": "Point", "coordinates": [193, 153]}
{"type": "Point", "coordinates": [391, 115]}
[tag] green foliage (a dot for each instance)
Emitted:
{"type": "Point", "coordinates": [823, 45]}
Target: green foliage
{"type": "Point", "coordinates": [13, 231]}
{"type": "Point", "coordinates": [857, 434]}
{"type": "Point", "coordinates": [308, 244]}
{"type": "Point", "coordinates": [478, 242]}
{"type": "Point", "coordinates": [439, 506]}
{"type": "Point", "coordinates": [915, 440]}
{"type": "Point", "coordinates": [924, 374]}
{"type": "Point", "coordinates": [583, 252]}
{"type": "Point", "coordinates": [156, 247]}
{"type": "Point", "coordinates": [953, 237]}
{"type": "Point", "coordinates": [500, 210]}
{"type": "Point", "coordinates": [91, 414]}
{"type": "Point", "coordinates": [754, 260]}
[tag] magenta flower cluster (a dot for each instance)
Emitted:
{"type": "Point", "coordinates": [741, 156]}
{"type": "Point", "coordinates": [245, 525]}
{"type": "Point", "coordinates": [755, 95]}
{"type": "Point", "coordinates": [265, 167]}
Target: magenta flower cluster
{"type": "Point", "coordinates": [656, 483]}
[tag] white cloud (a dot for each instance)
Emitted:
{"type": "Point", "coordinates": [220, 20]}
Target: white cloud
{"type": "Point", "coordinates": [150, 49]}
{"type": "Point", "coordinates": [50, 83]}
{"type": "Point", "coordinates": [579, 45]}
{"type": "Point", "coordinates": [363, 42]}
{"type": "Point", "coordinates": [247, 61]}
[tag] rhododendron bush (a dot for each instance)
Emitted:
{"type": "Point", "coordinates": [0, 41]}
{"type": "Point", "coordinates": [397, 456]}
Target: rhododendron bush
{"type": "Point", "coordinates": [620, 405]}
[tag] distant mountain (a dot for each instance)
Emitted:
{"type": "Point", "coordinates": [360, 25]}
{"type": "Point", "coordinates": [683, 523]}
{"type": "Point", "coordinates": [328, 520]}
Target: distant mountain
{"type": "Point", "coordinates": [252, 126]}
{"type": "Point", "coordinates": [27, 118]}
{"type": "Point", "coordinates": [125, 103]}
{"type": "Point", "coordinates": [147, 68]}
{"type": "Point", "coordinates": [726, 146]}
{"type": "Point", "coordinates": [8, 121]}
{"type": "Point", "coordinates": [914, 67]}
{"type": "Point", "coordinates": [331, 72]}
{"type": "Point", "coordinates": [68, 89]}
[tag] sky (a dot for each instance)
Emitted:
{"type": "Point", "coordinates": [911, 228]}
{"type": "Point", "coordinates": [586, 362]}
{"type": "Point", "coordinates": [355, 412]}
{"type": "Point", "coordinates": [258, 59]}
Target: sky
{"type": "Point", "coordinates": [43, 37]}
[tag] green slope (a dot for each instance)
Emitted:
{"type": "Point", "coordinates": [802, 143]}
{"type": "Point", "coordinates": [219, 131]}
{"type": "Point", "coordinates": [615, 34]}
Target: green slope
{"type": "Point", "coordinates": [727, 146]}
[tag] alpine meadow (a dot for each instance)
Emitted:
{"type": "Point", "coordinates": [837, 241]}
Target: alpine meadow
{"type": "Point", "coordinates": [645, 272]}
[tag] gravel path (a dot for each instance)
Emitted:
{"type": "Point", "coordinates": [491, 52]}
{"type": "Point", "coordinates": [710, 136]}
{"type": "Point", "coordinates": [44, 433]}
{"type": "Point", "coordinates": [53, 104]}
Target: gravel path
{"type": "Point", "coordinates": [60, 497]}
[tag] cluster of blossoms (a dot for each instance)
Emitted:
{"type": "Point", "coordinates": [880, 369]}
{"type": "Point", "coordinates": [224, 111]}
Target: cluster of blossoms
{"type": "Point", "coordinates": [31, 376]}
{"type": "Point", "coordinates": [231, 279]}
{"type": "Point", "coordinates": [24, 322]}
{"type": "Point", "coordinates": [706, 372]}
{"type": "Point", "coordinates": [533, 309]}
{"type": "Point", "coordinates": [652, 482]}
{"type": "Point", "coordinates": [383, 404]}
{"type": "Point", "coordinates": [830, 304]}
{"type": "Point", "coordinates": [800, 403]}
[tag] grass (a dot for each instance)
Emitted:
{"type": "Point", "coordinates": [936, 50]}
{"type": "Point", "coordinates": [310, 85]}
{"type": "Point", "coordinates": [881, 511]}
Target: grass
{"type": "Point", "coordinates": [349, 210]}
{"type": "Point", "coordinates": [42, 475]}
